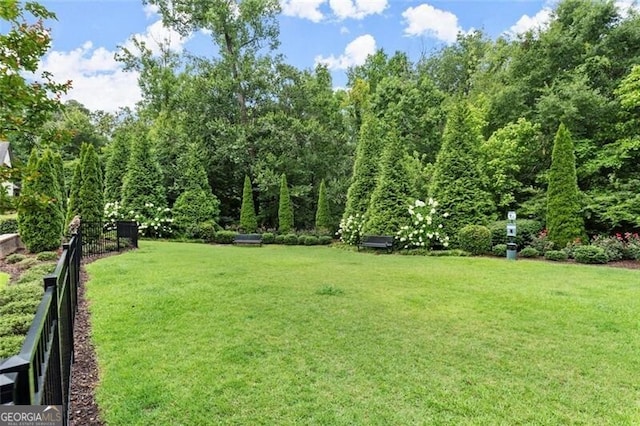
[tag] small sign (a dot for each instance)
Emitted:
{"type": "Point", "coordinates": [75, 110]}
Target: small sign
{"type": "Point", "coordinates": [30, 415]}
{"type": "Point", "coordinates": [511, 230]}
{"type": "Point", "coordinates": [511, 215]}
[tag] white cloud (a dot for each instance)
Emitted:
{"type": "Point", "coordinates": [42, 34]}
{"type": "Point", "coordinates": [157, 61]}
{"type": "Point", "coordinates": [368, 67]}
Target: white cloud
{"type": "Point", "coordinates": [354, 54]}
{"type": "Point", "coordinates": [344, 30]}
{"type": "Point", "coordinates": [150, 10]}
{"type": "Point", "coordinates": [98, 80]}
{"type": "Point", "coordinates": [306, 9]}
{"type": "Point", "coordinates": [427, 20]}
{"type": "Point", "coordinates": [357, 9]}
{"type": "Point", "coordinates": [625, 6]}
{"type": "Point", "coordinates": [538, 21]}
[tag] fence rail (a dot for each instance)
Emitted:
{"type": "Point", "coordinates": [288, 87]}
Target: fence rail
{"type": "Point", "coordinates": [100, 238]}
{"type": "Point", "coordinates": [40, 374]}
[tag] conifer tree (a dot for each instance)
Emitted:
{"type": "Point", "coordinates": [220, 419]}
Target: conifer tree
{"type": "Point", "coordinates": [388, 205]}
{"type": "Point", "coordinates": [142, 189]}
{"type": "Point", "coordinates": [91, 202]}
{"type": "Point", "coordinates": [248, 221]}
{"type": "Point", "coordinates": [40, 215]}
{"type": "Point", "coordinates": [285, 208]}
{"type": "Point", "coordinates": [564, 219]}
{"type": "Point", "coordinates": [59, 169]}
{"type": "Point", "coordinates": [73, 205]}
{"type": "Point", "coordinates": [116, 168]}
{"type": "Point", "coordinates": [457, 181]}
{"type": "Point", "coordinates": [365, 169]}
{"type": "Point", "coordinates": [323, 215]}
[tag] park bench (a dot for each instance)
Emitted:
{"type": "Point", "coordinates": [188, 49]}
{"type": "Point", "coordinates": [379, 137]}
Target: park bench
{"type": "Point", "coordinates": [247, 239]}
{"type": "Point", "coordinates": [377, 241]}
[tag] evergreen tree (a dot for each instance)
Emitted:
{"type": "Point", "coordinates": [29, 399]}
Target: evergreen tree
{"type": "Point", "coordinates": [323, 216]}
{"type": "Point", "coordinates": [457, 181]}
{"type": "Point", "coordinates": [116, 168]}
{"type": "Point", "coordinates": [365, 169]}
{"type": "Point", "coordinates": [248, 221]}
{"type": "Point", "coordinates": [40, 215]}
{"type": "Point", "coordinates": [91, 202]}
{"type": "Point", "coordinates": [59, 169]}
{"type": "Point", "coordinates": [73, 206]}
{"type": "Point", "coordinates": [564, 220]}
{"type": "Point", "coordinates": [285, 208]}
{"type": "Point", "coordinates": [192, 173]}
{"type": "Point", "coordinates": [389, 201]}
{"type": "Point", "coordinates": [142, 190]}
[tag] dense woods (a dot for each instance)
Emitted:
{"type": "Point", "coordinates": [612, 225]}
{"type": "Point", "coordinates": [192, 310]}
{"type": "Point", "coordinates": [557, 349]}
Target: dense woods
{"type": "Point", "coordinates": [472, 125]}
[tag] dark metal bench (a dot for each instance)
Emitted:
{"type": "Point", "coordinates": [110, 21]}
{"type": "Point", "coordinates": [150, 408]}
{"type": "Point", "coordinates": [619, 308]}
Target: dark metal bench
{"type": "Point", "coordinates": [377, 241]}
{"type": "Point", "coordinates": [247, 239]}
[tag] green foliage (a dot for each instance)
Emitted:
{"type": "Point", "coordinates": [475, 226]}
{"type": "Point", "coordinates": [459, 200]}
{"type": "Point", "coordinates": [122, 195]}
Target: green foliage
{"type": "Point", "coordinates": [40, 216]}
{"type": "Point", "coordinates": [564, 219]}
{"type": "Point", "coordinates": [8, 226]}
{"type": "Point", "coordinates": [205, 231]}
{"type": "Point", "coordinates": [311, 240]}
{"type": "Point", "coordinates": [499, 250]}
{"type": "Point", "coordinates": [45, 256]}
{"type": "Point", "coordinates": [526, 231]}
{"type": "Point", "coordinates": [91, 194]}
{"type": "Point", "coordinates": [142, 189]}
{"type": "Point", "coordinates": [475, 239]}
{"type": "Point", "coordinates": [73, 206]}
{"type": "Point", "coordinates": [388, 205]}
{"type": "Point", "coordinates": [18, 303]}
{"type": "Point", "coordinates": [324, 224]}
{"type": "Point", "coordinates": [116, 168]}
{"type": "Point", "coordinates": [14, 258]}
{"type": "Point", "coordinates": [248, 220]}
{"type": "Point", "coordinates": [285, 208]}
{"type": "Point", "coordinates": [556, 255]}
{"type": "Point", "coordinates": [290, 239]}
{"type": "Point", "coordinates": [366, 167]}
{"type": "Point", "coordinates": [225, 237]}
{"type": "Point", "coordinates": [590, 254]}
{"type": "Point", "coordinates": [542, 243]}
{"type": "Point", "coordinates": [351, 229]}
{"type": "Point", "coordinates": [194, 207]}
{"type": "Point", "coordinates": [325, 240]}
{"type": "Point", "coordinates": [279, 239]}
{"type": "Point", "coordinates": [529, 252]}
{"type": "Point", "coordinates": [424, 228]}
{"type": "Point", "coordinates": [268, 238]}
{"type": "Point", "coordinates": [10, 345]}
{"type": "Point", "coordinates": [614, 247]}
{"type": "Point", "coordinates": [457, 181]}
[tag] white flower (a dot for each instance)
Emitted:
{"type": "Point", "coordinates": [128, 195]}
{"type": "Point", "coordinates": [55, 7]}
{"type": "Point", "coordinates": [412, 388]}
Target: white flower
{"type": "Point", "coordinates": [430, 202]}
{"type": "Point", "coordinates": [420, 203]}
{"type": "Point", "coordinates": [445, 244]}
{"type": "Point", "coordinates": [446, 214]}
{"type": "Point", "coordinates": [440, 226]}
{"type": "Point", "coordinates": [433, 211]}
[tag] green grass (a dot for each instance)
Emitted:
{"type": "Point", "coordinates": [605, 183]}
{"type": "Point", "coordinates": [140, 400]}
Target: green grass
{"type": "Point", "coordinates": [199, 334]}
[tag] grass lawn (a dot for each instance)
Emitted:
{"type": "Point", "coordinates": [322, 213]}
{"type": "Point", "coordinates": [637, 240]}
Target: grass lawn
{"type": "Point", "coordinates": [190, 334]}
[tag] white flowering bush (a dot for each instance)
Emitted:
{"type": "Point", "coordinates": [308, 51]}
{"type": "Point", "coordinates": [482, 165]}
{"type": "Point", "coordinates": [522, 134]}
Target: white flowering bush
{"type": "Point", "coordinates": [350, 230]}
{"type": "Point", "coordinates": [425, 227]}
{"type": "Point", "coordinates": [153, 222]}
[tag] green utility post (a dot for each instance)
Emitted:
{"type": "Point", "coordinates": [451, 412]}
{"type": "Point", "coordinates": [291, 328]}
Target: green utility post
{"type": "Point", "coordinates": [512, 247]}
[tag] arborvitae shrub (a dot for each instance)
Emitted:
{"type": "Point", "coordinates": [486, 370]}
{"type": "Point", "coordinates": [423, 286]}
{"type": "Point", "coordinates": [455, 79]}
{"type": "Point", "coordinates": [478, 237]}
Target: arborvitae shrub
{"type": "Point", "coordinates": [73, 205]}
{"type": "Point", "coordinates": [225, 237]}
{"type": "Point", "coordinates": [564, 217]}
{"type": "Point", "coordinates": [268, 238]}
{"type": "Point", "coordinates": [529, 252]}
{"type": "Point", "coordinates": [116, 168]}
{"type": "Point", "coordinates": [499, 250]}
{"type": "Point", "coordinates": [285, 208]}
{"type": "Point", "coordinates": [91, 202]}
{"type": "Point", "coordinates": [323, 217]}
{"type": "Point", "coordinates": [556, 255]}
{"type": "Point", "coordinates": [590, 255]}
{"type": "Point", "coordinates": [475, 239]}
{"type": "Point", "coordinates": [248, 220]}
{"type": "Point", "coordinates": [194, 207]}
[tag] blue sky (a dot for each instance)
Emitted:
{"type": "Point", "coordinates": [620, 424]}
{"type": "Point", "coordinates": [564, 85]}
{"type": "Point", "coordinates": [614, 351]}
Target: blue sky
{"type": "Point", "coordinates": [340, 33]}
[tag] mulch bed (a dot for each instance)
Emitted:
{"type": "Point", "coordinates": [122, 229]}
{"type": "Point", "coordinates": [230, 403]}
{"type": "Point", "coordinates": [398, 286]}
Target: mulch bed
{"type": "Point", "coordinates": [85, 375]}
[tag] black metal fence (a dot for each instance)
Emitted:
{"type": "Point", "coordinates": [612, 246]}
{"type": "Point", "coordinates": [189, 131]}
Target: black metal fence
{"type": "Point", "coordinates": [40, 374]}
{"type": "Point", "coordinates": [101, 238]}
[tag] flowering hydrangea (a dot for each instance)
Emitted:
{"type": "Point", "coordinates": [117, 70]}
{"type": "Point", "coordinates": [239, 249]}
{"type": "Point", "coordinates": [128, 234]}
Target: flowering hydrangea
{"type": "Point", "coordinates": [154, 222]}
{"type": "Point", "coordinates": [425, 226]}
{"type": "Point", "coordinates": [350, 230]}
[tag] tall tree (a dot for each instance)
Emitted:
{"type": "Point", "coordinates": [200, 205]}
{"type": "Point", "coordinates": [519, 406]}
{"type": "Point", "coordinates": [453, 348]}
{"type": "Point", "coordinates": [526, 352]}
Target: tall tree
{"type": "Point", "coordinates": [564, 218]}
{"type": "Point", "coordinates": [73, 206]}
{"type": "Point", "coordinates": [285, 208]}
{"type": "Point", "coordinates": [91, 195]}
{"type": "Point", "coordinates": [458, 182]}
{"type": "Point", "coordinates": [324, 223]}
{"type": "Point", "coordinates": [116, 167]}
{"type": "Point", "coordinates": [248, 221]}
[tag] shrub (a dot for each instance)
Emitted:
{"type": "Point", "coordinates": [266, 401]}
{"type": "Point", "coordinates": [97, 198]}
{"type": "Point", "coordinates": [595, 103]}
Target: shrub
{"type": "Point", "coordinates": [301, 239]}
{"type": "Point", "coordinates": [632, 246]}
{"type": "Point", "coordinates": [542, 242]}
{"type": "Point", "coordinates": [225, 237]}
{"type": "Point", "coordinates": [8, 226]}
{"type": "Point", "coordinates": [193, 207]}
{"type": "Point", "coordinates": [323, 215]}
{"type": "Point", "coordinates": [311, 240]}
{"type": "Point", "coordinates": [475, 239]}
{"type": "Point", "coordinates": [45, 256]}
{"type": "Point", "coordinates": [425, 227]}
{"type": "Point", "coordinates": [614, 246]}
{"type": "Point", "coordinates": [15, 324]}
{"type": "Point", "coordinates": [27, 263]}
{"type": "Point", "coordinates": [590, 254]}
{"type": "Point", "coordinates": [279, 239]}
{"type": "Point", "coordinates": [527, 230]}
{"type": "Point", "coordinates": [571, 247]}
{"type": "Point", "coordinates": [529, 252]}
{"type": "Point", "coordinates": [268, 238]}
{"type": "Point", "coordinates": [10, 345]}
{"type": "Point", "coordinates": [285, 208]}
{"type": "Point", "coordinates": [36, 273]}
{"type": "Point", "coordinates": [499, 250]}
{"type": "Point", "coordinates": [325, 240]}
{"type": "Point", "coordinates": [350, 231]}
{"type": "Point", "coordinates": [555, 255]}
{"type": "Point", "coordinates": [205, 231]}
{"type": "Point", "coordinates": [291, 239]}
{"type": "Point", "coordinates": [248, 221]}
{"type": "Point", "coordinates": [15, 258]}
{"type": "Point", "coordinates": [17, 292]}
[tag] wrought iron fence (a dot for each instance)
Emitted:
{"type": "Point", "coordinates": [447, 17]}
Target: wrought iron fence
{"type": "Point", "coordinates": [100, 238]}
{"type": "Point", "coordinates": [40, 374]}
